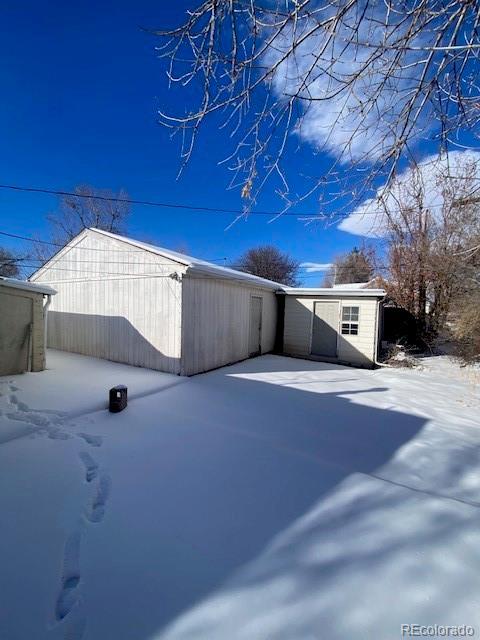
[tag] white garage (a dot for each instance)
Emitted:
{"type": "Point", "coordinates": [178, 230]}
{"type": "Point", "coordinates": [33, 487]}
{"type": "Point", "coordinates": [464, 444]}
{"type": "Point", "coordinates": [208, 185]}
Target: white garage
{"type": "Point", "coordinates": [139, 304]}
{"type": "Point", "coordinates": [132, 302]}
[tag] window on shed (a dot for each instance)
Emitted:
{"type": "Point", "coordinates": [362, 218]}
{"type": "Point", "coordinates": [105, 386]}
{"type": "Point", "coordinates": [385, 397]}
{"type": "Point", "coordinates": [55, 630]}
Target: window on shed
{"type": "Point", "coordinates": [350, 321]}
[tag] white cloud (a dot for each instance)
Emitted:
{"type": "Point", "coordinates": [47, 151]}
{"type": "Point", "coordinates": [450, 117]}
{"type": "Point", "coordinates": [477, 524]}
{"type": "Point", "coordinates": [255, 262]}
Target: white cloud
{"type": "Point", "coordinates": [314, 267]}
{"type": "Point", "coordinates": [369, 219]}
{"type": "Point", "coordinates": [336, 115]}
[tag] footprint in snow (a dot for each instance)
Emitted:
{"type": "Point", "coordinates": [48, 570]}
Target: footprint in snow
{"type": "Point", "coordinates": [55, 433]}
{"type": "Point", "coordinates": [31, 418]}
{"type": "Point", "coordinates": [91, 467]}
{"type": "Point", "coordinates": [97, 509]}
{"type": "Point", "coordinates": [21, 406]}
{"type": "Point", "coordinates": [41, 424]}
{"type": "Point", "coordinates": [68, 596]}
{"type": "Point", "coordinates": [75, 625]}
{"type": "Point", "coordinates": [93, 441]}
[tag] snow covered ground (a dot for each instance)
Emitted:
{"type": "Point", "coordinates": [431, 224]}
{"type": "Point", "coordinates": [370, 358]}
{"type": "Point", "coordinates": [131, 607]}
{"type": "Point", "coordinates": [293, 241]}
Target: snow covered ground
{"type": "Point", "coordinates": [275, 499]}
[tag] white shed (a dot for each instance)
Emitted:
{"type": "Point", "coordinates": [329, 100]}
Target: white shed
{"type": "Point", "coordinates": [333, 325]}
{"type": "Point", "coordinates": [23, 318]}
{"type": "Point", "coordinates": [136, 303]}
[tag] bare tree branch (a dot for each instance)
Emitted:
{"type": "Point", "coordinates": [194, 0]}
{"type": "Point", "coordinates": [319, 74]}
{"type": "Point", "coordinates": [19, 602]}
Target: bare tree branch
{"type": "Point", "coordinates": [364, 81]}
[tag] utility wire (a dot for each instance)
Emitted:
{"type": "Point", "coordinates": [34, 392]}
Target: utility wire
{"type": "Point", "coordinates": [190, 207]}
{"type": "Point", "coordinates": [9, 261]}
{"type": "Point", "coordinates": [111, 262]}
{"type": "Point", "coordinates": [58, 244]}
{"type": "Point", "coordinates": [166, 264]}
{"type": "Point", "coordinates": [100, 272]}
{"type": "Point", "coordinates": [133, 263]}
{"type": "Point", "coordinates": [149, 203]}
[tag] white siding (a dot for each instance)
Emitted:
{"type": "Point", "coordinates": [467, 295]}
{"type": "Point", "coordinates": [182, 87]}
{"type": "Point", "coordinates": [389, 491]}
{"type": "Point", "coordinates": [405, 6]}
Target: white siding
{"type": "Point", "coordinates": [216, 322]}
{"type": "Point", "coordinates": [358, 349]}
{"type": "Point", "coordinates": [117, 302]}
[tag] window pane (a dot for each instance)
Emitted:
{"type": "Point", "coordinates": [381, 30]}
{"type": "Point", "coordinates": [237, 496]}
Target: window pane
{"type": "Point", "coordinates": [350, 313]}
{"type": "Point", "coordinates": [345, 329]}
{"type": "Point", "coordinates": [354, 329]}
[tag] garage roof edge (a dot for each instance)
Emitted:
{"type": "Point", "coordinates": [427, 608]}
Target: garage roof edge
{"type": "Point", "coordinates": [27, 286]}
{"type": "Point", "coordinates": [333, 293]}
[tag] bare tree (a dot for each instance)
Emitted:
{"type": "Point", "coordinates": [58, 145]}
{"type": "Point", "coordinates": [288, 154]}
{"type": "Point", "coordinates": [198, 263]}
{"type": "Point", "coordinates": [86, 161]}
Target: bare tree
{"type": "Point", "coordinates": [353, 266]}
{"type": "Point", "coordinates": [466, 297]}
{"type": "Point", "coordinates": [364, 80]}
{"type": "Point", "coordinates": [466, 328]}
{"type": "Point", "coordinates": [431, 251]}
{"type": "Point", "coordinates": [8, 264]}
{"type": "Point", "coordinates": [89, 207]}
{"type": "Point", "coordinates": [270, 263]}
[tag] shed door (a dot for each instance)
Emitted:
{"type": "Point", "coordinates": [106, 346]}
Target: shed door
{"type": "Point", "coordinates": [325, 329]}
{"type": "Point", "coordinates": [255, 341]}
{"type": "Point", "coordinates": [15, 322]}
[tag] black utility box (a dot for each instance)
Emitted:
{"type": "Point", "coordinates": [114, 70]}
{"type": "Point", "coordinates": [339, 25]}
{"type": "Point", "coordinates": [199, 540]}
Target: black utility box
{"type": "Point", "coordinates": [118, 398]}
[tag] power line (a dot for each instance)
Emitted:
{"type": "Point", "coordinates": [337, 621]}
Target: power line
{"type": "Point", "coordinates": [110, 273]}
{"type": "Point", "coordinates": [76, 261]}
{"type": "Point", "coordinates": [58, 244]}
{"type": "Point", "coordinates": [101, 273]}
{"type": "Point", "coordinates": [9, 261]}
{"type": "Point", "coordinates": [306, 272]}
{"type": "Point", "coordinates": [111, 262]}
{"type": "Point", "coordinates": [130, 262]}
{"type": "Point", "coordinates": [149, 203]}
{"type": "Point", "coordinates": [202, 208]}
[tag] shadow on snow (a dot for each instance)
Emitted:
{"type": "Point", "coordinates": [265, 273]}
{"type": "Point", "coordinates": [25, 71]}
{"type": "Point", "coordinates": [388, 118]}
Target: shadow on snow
{"type": "Point", "coordinates": [259, 492]}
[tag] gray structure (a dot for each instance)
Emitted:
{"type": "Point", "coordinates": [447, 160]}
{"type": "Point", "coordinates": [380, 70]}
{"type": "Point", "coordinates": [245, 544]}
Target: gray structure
{"type": "Point", "coordinates": [23, 318]}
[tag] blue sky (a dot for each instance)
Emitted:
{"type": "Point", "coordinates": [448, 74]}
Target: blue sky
{"type": "Point", "coordinates": [81, 87]}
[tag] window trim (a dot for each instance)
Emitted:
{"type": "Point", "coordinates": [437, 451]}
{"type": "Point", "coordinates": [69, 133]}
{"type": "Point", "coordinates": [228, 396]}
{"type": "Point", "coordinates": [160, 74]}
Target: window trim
{"type": "Point", "coordinates": [350, 324]}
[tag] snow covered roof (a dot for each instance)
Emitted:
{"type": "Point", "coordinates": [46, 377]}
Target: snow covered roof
{"type": "Point", "coordinates": [194, 265]}
{"type": "Point", "coordinates": [27, 286]}
{"type": "Point", "coordinates": [352, 285]}
{"type": "Point", "coordinates": [335, 293]}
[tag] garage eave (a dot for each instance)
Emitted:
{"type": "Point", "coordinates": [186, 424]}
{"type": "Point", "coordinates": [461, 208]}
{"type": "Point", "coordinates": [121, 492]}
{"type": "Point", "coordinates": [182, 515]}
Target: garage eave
{"type": "Point", "coordinates": [333, 293]}
{"type": "Point", "coordinates": [12, 283]}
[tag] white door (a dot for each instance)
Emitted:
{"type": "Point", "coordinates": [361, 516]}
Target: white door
{"type": "Point", "coordinates": [15, 326]}
{"type": "Point", "coordinates": [255, 340]}
{"type": "Point", "coordinates": [325, 329]}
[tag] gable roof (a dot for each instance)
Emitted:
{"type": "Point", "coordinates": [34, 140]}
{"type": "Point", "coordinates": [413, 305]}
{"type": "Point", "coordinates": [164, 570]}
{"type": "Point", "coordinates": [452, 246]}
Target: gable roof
{"type": "Point", "coordinates": [194, 266]}
{"type": "Point", "coordinates": [13, 283]}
